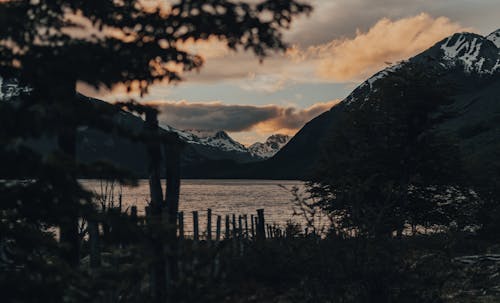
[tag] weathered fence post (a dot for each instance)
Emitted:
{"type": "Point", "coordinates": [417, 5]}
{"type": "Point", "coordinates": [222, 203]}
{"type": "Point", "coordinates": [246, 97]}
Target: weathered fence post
{"type": "Point", "coordinates": [240, 227]}
{"type": "Point", "coordinates": [261, 232]}
{"type": "Point", "coordinates": [209, 226]}
{"type": "Point", "coordinates": [234, 227]}
{"type": "Point", "coordinates": [195, 227]}
{"type": "Point", "coordinates": [240, 235]}
{"type": "Point", "coordinates": [217, 230]}
{"type": "Point", "coordinates": [245, 217]}
{"type": "Point", "coordinates": [228, 233]}
{"type": "Point", "coordinates": [153, 148]}
{"type": "Point", "coordinates": [235, 236]}
{"type": "Point", "coordinates": [172, 149]}
{"type": "Point", "coordinates": [252, 225]}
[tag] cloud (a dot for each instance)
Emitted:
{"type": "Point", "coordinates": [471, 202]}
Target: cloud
{"type": "Point", "coordinates": [336, 19]}
{"type": "Point", "coordinates": [355, 59]}
{"type": "Point", "coordinates": [237, 118]}
{"type": "Point", "coordinates": [290, 119]}
{"type": "Point", "coordinates": [264, 83]}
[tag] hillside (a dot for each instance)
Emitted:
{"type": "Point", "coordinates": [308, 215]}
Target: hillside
{"type": "Point", "coordinates": [471, 63]}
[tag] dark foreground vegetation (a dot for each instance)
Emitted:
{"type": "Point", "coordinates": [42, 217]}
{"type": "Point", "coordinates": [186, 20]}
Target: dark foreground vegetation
{"type": "Point", "coordinates": [276, 265]}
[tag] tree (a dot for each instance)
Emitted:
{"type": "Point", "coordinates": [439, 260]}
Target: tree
{"type": "Point", "coordinates": [385, 169]}
{"type": "Point", "coordinates": [51, 45]}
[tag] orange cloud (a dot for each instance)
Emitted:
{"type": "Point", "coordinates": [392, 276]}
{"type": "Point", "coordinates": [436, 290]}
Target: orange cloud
{"type": "Point", "coordinates": [238, 118]}
{"type": "Point", "coordinates": [387, 41]}
{"type": "Point", "coordinates": [291, 119]}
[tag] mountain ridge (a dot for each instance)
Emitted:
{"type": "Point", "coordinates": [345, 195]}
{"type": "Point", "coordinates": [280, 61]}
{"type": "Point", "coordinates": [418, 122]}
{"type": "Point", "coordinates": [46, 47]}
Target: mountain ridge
{"type": "Point", "coordinates": [473, 66]}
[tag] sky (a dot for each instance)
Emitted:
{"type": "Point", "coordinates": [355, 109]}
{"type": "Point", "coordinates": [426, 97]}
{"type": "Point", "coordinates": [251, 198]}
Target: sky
{"type": "Point", "coordinates": [334, 49]}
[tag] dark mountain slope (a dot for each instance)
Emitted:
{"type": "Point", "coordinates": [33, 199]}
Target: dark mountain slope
{"type": "Point", "coordinates": [469, 62]}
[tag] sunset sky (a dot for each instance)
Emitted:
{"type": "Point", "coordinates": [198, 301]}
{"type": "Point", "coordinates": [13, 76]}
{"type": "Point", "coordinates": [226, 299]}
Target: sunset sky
{"type": "Point", "coordinates": [339, 45]}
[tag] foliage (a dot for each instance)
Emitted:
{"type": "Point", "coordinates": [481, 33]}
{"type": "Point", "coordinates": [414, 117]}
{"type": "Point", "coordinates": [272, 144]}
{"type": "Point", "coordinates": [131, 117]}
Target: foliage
{"type": "Point", "coordinates": [49, 46]}
{"type": "Point", "coordinates": [384, 171]}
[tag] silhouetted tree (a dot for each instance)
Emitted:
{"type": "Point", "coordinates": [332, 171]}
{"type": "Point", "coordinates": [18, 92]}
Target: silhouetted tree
{"type": "Point", "coordinates": [50, 46]}
{"type": "Point", "coordinates": [389, 166]}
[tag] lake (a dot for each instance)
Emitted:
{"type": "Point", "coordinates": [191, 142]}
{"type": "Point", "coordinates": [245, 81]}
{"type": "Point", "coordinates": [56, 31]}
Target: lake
{"type": "Point", "coordinates": [224, 197]}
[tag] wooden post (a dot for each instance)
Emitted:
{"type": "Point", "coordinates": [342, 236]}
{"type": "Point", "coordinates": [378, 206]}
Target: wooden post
{"type": "Point", "coordinates": [171, 148]}
{"type": "Point", "coordinates": [234, 227]}
{"type": "Point", "coordinates": [235, 235]}
{"type": "Point", "coordinates": [209, 225]}
{"type": "Point", "coordinates": [153, 147]}
{"type": "Point", "coordinates": [228, 233]}
{"type": "Point", "coordinates": [154, 153]}
{"type": "Point", "coordinates": [261, 232]}
{"type": "Point", "coordinates": [217, 230]}
{"type": "Point", "coordinates": [95, 251]}
{"type": "Point", "coordinates": [173, 177]}
{"type": "Point", "coordinates": [195, 227]}
{"type": "Point", "coordinates": [181, 225]}
{"type": "Point", "coordinates": [252, 226]}
{"type": "Point", "coordinates": [240, 227]}
{"type": "Point", "coordinates": [245, 217]}
{"type": "Point", "coordinates": [256, 219]}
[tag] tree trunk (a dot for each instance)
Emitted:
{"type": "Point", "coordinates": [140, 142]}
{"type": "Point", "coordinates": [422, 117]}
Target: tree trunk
{"type": "Point", "coordinates": [172, 190]}
{"type": "Point", "coordinates": [63, 95]}
{"type": "Point", "coordinates": [158, 272]}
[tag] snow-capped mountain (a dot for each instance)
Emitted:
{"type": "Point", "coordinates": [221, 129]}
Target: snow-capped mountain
{"type": "Point", "coordinates": [203, 145]}
{"type": "Point", "coordinates": [269, 148]}
{"type": "Point", "coordinates": [468, 61]}
{"type": "Point", "coordinates": [221, 140]}
{"type": "Point", "coordinates": [470, 53]}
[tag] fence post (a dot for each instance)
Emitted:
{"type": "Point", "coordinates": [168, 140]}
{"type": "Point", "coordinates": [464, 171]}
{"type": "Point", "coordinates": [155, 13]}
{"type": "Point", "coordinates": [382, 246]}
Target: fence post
{"type": "Point", "coordinates": [209, 226]}
{"type": "Point", "coordinates": [235, 235]}
{"type": "Point", "coordinates": [195, 227]}
{"type": "Point", "coordinates": [245, 217]}
{"type": "Point", "coordinates": [252, 226]}
{"type": "Point", "coordinates": [240, 227]}
{"type": "Point", "coordinates": [228, 234]}
{"type": "Point", "coordinates": [217, 229]}
{"type": "Point", "coordinates": [234, 226]}
{"type": "Point", "coordinates": [261, 232]}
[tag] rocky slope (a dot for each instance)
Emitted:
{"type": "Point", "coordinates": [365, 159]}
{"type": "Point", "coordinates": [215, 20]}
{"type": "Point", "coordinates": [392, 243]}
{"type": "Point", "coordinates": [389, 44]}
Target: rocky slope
{"type": "Point", "coordinates": [269, 148]}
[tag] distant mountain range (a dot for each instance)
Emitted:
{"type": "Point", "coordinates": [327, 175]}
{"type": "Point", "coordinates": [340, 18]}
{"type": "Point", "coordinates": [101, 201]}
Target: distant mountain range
{"type": "Point", "coordinates": [202, 145]}
{"type": "Point", "coordinates": [468, 61]}
{"type": "Point", "coordinates": [221, 140]}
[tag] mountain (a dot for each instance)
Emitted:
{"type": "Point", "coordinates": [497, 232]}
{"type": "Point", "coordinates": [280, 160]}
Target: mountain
{"type": "Point", "coordinates": [218, 139]}
{"type": "Point", "coordinates": [269, 148]}
{"type": "Point", "coordinates": [202, 145]}
{"type": "Point", "coordinates": [469, 61]}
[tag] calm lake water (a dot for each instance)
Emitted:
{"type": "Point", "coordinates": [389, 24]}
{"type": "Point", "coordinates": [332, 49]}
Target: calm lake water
{"type": "Point", "coordinates": [224, 197]}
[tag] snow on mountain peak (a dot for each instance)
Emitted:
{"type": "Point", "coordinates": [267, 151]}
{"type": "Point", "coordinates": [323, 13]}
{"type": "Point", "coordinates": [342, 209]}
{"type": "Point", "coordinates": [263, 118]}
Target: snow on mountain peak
{"type": "Point", "coordinates": [217, 139]}
{"type": "Point", "coordinates": [268, 149]}
{"type": "Point", "coordinates": [472, 52]}
{"type": "Point", "coordinates": [495, 37]}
